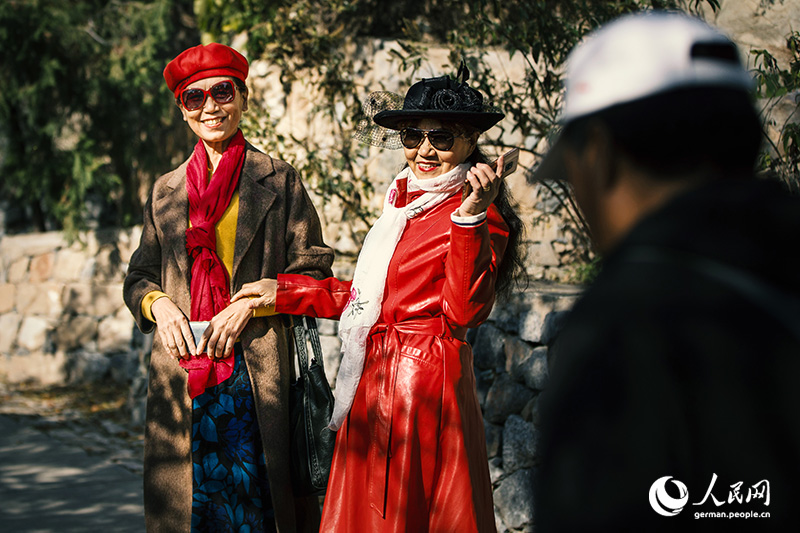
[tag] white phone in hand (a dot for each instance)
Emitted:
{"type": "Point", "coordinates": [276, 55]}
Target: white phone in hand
{"type": "Point", "coordinates": [510, 160]}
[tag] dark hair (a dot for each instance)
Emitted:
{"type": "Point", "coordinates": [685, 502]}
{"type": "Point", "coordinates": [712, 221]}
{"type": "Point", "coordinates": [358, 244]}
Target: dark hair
{"type": "Point", "coordinates": [241, 85]}
{"type": "Point", "coordinates": [511, 270]}
{"type": "Point", "coordinates": [714, 130]}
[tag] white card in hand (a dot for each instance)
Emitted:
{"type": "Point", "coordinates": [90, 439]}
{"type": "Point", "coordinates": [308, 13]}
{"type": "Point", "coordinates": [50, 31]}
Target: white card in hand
{"type": "Point", "coordinates": [197, 330]}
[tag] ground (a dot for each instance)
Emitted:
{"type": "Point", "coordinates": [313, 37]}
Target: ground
{"type": "Point", "coordinates": [92, 417]}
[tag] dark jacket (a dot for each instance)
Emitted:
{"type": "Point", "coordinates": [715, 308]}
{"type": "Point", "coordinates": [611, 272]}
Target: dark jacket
{"type": "Point", "coordinates": [278, 231]}
{"type": "Point", "coordinates": [681, 360]}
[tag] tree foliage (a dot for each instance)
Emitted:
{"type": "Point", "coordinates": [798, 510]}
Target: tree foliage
{"type": "Point", "coordinates": [85, 113]}
{"type": "Point", "coordinates": [774, 84]}
{"type": "Point", "coordinates": [311, 40]}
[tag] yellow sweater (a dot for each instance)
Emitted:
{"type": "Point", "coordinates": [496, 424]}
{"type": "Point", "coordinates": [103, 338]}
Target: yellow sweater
{"type": "Point", "coordinates": [226, 241]}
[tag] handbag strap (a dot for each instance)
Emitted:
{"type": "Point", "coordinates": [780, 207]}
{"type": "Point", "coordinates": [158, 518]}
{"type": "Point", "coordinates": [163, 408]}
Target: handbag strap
{"type": "Point", "coordinates": [304, 329]}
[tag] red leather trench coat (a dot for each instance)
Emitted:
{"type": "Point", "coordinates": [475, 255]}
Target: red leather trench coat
{"type": "Point", "coordinates": [411, 455]}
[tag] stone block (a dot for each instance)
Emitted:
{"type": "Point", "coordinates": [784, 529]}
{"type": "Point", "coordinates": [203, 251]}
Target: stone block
{"type": "Point", "coordinates": [137, 397]}
{"type": "Point", "coordinates": [9, 326]}
{"type": "Point", "coordinates": [42, 368]}
{"type": "Point", "coordinates": [535, 371]}
{"type": "Point", "coordinates": [114, 333]}
{"type": "Point", "coordinates": [530, 413]}
{"type": "Point", "coordinates": [41, 267]}
{"type": "Point", "coordinates": [488, 348]}
{"type": "Point", "coordinates": [542, 253]}
{"type": "Point", "coordinates": [346, 244]}
{"type": "Point", "coordinates": [520, 441]}
{"type": "Point", "coordinates": [70, 265]}
{"type": "Point", "coordinates": [97, 299]}
{"type": "Point", "coordinates": [553, 324]}
{"type": "Point", "coordinates": [87, 367]}
{"type": "Point", "coordinates": [505, 397]}
{"type": "Point", "coordinates": [483, 382]}
{"type": "Point", "coordinates": [545, 229]}
{"type": "Point", "coordinates": [18, 270]}
{"type": "Point", "coordinates": [517, 352]}
{"type": "Point", "coordinates": [31, 244]}
{"type": "Point", "coordinates": [40, 299]}
{"type": "Point", "coordinates": [331, 356]}
{"type": "Point", "coordinates": [124, 367]}
{"type": "Point", "coordinates": [108, 266]}
{"type": "Point", "coordinates": [128, 242]}
{"type": "Point", "coordinates": [496, 469]}
{"type": "Point", "coordinates": [327, 327]}
{"type": "Point", "coordinates": [77, 298]}
{"type": "Point", "coordinates": [75, 332]}
{"type": "Point", "coordinates": [531, 326]}
{"type": "Point", "coordinates": [32, 334]}
{"type": "Point", "coordinates": [514, 499]}
{"type": "Point", "coordinates": [8, 297]}
{"type": "Point", "coordinates": [494, 438]}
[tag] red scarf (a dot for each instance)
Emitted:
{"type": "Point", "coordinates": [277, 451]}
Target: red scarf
{"type": "Point", "coordinates": [210, 282]}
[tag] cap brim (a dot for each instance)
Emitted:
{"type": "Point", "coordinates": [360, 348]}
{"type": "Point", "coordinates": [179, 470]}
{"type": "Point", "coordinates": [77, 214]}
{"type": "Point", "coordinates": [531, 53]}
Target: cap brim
{"type": "Point", "coordinates": [551, 167]}
{"type": "Point", "coordinates": [481, 120]}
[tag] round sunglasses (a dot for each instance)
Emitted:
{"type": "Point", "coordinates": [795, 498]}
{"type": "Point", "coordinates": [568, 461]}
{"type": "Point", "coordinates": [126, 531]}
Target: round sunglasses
{"type": "Point", "coordinates": [222, 93]}
{"type": "Point", "coordinates": [439, 139]}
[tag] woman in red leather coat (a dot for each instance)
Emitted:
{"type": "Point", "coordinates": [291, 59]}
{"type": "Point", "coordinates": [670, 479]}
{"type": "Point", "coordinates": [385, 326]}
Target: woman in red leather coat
{"type": "Point", "coordinates": [410, 451]}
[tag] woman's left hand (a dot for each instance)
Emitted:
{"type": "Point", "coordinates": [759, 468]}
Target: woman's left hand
{"type": "Point", "coordinates": [223, 330]}
{"type": "Point", "coordinates": [262, 293]}
{"type": "Point", "coordinates": [485, 183]}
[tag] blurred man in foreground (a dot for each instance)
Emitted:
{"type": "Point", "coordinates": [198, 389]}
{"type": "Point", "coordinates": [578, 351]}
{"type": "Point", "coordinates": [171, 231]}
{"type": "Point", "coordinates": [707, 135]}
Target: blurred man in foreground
{"type": "Point", "coordinates": [674, 397]}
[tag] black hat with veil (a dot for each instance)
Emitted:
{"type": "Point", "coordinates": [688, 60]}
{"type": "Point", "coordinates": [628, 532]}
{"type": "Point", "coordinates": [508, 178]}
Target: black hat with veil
{"type": "Point", "coordinates": [441, 98]}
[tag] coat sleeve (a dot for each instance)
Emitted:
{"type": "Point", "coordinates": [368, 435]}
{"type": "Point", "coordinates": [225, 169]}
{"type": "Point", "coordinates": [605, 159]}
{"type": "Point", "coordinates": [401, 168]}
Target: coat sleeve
{"type": "Point", "coordinates": [144, 270]}
{"type": "Point", "coordinates": [306, 252]}
{"type": "Point", "coordinates": [471, 269]}
{"type": "Point", "coordinates": [304, 295]}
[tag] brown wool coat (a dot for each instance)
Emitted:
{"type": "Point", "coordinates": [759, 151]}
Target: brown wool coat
{"type": "Point", "coordinates": [278, 231]}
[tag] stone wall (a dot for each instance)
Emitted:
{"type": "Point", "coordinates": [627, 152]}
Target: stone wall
{"type": "Point", "coordinates": [62, 319]}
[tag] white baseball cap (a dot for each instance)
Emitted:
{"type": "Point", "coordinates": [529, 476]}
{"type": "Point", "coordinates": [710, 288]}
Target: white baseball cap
{"type": "Point", "coordinates": [641, 55]}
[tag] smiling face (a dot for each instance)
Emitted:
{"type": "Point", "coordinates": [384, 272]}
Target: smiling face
{"type": "Point", "coordinates": [428, 162]}
{"type": "Point", "coordinates": [215, 123]}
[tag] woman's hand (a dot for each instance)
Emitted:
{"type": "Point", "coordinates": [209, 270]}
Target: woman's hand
{"type": "Point", "coordinates": [223, 330]}
{"type": "Point", "coordinates": [173, 328]}
{"type": "Point", "coordinates": [262, 292]}
{"type": "Point", "coordinates": [485, 184]}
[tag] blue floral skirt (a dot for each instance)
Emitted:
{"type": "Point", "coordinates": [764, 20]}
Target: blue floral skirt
{"type": "Point", "coordinates": [230, 489]}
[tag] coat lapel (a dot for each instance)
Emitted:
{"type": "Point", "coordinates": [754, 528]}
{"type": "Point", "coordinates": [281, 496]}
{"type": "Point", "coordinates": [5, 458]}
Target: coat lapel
{"type": "Point", "coordinates": [172, 209]}
{"type": "Point", "coordinates": [255, 200]}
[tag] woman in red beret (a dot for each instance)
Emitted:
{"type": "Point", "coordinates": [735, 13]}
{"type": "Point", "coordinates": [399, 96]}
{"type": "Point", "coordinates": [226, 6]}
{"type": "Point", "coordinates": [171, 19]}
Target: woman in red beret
{"type": "Point", "coordinates": [217, 436]}
{"type": "Point", "coordinates": [410, 449]}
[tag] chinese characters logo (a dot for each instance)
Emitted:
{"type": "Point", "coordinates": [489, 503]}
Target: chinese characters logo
{"type": "Point", "coordinates": [668, 505]}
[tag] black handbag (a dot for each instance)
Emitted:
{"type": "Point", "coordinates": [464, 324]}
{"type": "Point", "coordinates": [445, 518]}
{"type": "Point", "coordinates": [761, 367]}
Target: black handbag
{"type": "Point", "coordinates": [310, 408]}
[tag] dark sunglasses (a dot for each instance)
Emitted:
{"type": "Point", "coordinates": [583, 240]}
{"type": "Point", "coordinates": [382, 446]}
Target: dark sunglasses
{"type": "Point", "coordinates": [439, 139]}
{"type": "Point", "coordinates": [222, 93]}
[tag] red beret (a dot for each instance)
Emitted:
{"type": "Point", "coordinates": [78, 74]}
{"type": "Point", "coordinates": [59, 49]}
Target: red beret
{"type": "Point", "coordinates": [204, 61]}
